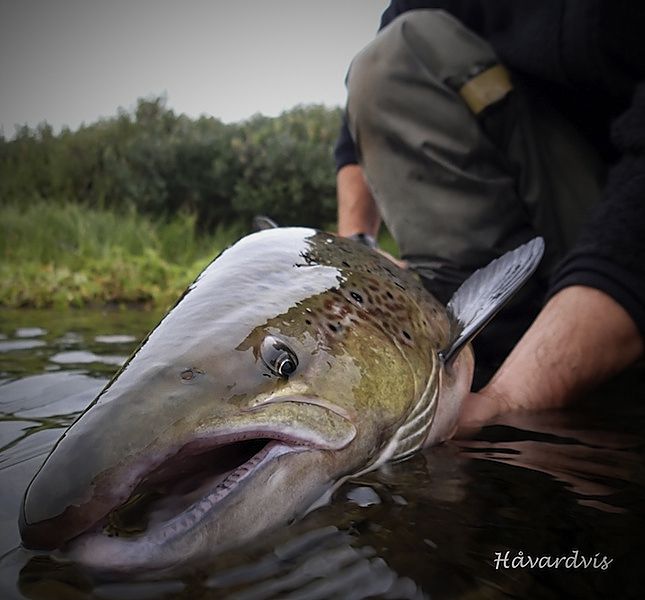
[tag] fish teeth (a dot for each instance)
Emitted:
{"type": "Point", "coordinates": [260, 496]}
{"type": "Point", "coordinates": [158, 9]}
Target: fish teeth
{"type": "Point", "coordinates": [195, 513]}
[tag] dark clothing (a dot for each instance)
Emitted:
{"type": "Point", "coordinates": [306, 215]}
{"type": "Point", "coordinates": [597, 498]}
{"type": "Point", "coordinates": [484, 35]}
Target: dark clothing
{"type": "Point", "coordinates": [586, 59]}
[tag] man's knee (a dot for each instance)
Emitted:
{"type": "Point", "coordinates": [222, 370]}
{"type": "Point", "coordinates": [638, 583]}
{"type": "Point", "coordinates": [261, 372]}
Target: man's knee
{"type": "Point", "coordinates": [421, 51]}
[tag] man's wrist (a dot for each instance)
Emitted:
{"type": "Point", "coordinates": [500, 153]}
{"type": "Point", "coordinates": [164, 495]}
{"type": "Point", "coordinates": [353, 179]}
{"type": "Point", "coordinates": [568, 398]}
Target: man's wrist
{"type": "Point", "coordinates": [364, 238]}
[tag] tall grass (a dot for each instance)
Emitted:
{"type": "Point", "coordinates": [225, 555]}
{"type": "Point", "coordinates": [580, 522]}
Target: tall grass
{"type": "Point", "coordinates": [63, 254]}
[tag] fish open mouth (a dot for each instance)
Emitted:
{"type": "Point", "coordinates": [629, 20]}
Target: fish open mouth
{"type": "Point", "coordinates": [184, 480]}
{"type": "Point", "coordinates": [187, 487]}
{"type": "Point", "coordinates": [151, 499]}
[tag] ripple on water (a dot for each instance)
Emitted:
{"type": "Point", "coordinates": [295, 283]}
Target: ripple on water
{"type": "Point", "coordinates": [70, 338]}
{"type": "Point", "coordinates": [48, 394]}
{"type": "Point", "coordinates": [11, 345]}
{"type": "Point", "coordinates": [115, 339]}
{"type": "Point", "coordinates": [363, 496]}
{"type": "Point", "coordinates": [29, 332]}
{"type": "Point", "coordinates": [542, 484]}
{"type": "Point", "coordinates": [82, 357]}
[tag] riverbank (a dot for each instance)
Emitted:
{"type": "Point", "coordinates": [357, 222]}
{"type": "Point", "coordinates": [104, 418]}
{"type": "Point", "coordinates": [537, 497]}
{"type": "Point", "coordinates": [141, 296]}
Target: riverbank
{"type": "Point", "coordinates": [60, 255]}
{"type": "Point", "coordinates": [66, 255]}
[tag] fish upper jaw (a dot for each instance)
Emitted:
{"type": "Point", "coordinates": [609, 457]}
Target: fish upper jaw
{"type": "Point", "coordinates": [301, 398]}
{"type": "Point", "coordinates": [295, 424]}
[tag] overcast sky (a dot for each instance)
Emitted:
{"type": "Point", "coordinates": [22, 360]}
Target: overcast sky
{"type": "Point", "coordinates": [72, 61]}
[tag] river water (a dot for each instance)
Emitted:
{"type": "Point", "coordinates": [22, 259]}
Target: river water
{"type": "Point", "coordinates": [458, 521]}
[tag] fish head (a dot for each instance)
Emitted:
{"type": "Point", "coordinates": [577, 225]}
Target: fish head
{"type": "Point", "coordinates": [291, 362]}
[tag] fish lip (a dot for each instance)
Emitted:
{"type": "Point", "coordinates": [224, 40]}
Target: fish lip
{"type": "Point", "coordinates": [119, 484]}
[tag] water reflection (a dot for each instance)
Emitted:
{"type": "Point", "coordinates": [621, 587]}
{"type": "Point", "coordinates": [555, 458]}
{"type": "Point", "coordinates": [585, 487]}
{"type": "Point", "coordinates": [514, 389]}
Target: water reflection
{"type": "Point", "coordinates": [542, 484]}
{"type": "Point", "coordinates": [593, 463]}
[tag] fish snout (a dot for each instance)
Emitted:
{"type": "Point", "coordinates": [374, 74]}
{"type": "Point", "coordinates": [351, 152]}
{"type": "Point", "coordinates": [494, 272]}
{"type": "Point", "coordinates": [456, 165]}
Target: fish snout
{"type": "Point", "coordinates": [61, 504]}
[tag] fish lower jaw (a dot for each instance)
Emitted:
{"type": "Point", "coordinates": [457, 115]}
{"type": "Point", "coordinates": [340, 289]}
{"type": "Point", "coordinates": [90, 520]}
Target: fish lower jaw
{"type": "Point", "coordinates": [111, 548]}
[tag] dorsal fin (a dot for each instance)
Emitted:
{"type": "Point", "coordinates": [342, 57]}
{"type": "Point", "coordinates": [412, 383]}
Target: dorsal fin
{"type": "Point", "coordinates": [261, 222]}
{"type": "Point", "coordinates": [486, 291]}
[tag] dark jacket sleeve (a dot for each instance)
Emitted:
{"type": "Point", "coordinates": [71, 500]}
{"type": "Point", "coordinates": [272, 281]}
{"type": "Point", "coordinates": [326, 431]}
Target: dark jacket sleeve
{"type": "Point", "coordinates": [344, 151]}
{"type": "Point", "coordinates": [610, 254]}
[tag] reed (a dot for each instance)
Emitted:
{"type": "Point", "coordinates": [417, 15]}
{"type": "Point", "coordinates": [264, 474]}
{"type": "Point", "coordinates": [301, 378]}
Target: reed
{"type": "Point", "coordinates": [64, 254]}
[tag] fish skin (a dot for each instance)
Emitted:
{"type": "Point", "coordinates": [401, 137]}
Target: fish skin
{"type": "Point", "coordinates": [369, 387]}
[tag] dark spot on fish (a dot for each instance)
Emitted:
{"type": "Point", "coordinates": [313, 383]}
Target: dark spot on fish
{"type": "Point", "coordinates": [346, 264]}
{"type": "Point", "coordinates": [373, 287]}
{"type": "Point", "coordinates": [308, 321]}
{"type": "Point", "coordinates": [406, 335]}
{"type": "Point", "coordinates": [389, 295]}
{"type": "Point", "coordinates": [397, 284]}
{"type": "Point", "coordinates": [332, 327]}
{"type": "Point", "coordinates": [357, 297]}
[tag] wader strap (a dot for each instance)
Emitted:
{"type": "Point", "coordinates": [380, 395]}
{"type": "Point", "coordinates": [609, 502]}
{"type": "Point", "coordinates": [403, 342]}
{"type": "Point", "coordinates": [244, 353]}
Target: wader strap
{"type": "Point", "coordinates": [485, 89]}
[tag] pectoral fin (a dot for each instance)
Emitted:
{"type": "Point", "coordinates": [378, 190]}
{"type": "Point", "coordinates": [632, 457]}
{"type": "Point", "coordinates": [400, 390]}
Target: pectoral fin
{"type": "Point", "coordinates": [487, 290]}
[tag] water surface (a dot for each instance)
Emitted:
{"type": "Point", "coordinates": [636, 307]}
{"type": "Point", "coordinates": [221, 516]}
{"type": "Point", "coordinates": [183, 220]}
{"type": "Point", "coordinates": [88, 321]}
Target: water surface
{"type": "Point", "coordinates": [567, 485]}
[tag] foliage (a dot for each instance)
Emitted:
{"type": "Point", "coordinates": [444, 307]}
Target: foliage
{"type": "Point", "coordinates": [286, 167]}
{"type": "Point", "coordinates": [159, 163]}
{"type": "Point", "coordinates": [130, 208]}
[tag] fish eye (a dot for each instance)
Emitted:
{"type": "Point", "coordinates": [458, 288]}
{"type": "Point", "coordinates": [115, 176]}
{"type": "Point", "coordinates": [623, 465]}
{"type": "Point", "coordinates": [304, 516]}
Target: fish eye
{"type": "Point", "coordinates": [278, 357]}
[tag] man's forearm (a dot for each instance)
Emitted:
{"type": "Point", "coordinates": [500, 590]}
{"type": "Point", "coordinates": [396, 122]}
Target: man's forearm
{"type": "Point", "coordinates": [357, 211]}
{"type": "Point", "coordinates": [581, 338]}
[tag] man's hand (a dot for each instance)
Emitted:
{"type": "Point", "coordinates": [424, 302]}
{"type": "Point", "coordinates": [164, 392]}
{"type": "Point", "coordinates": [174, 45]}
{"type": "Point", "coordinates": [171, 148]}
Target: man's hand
{"type": "Point", "coordinates": [581, 338]}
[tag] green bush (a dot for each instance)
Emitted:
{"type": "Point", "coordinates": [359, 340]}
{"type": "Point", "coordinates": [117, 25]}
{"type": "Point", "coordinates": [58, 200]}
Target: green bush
{"type": "Point", "coordinates": [160, 164]}
{"type": "Point", "coordinates": [130, 208]}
